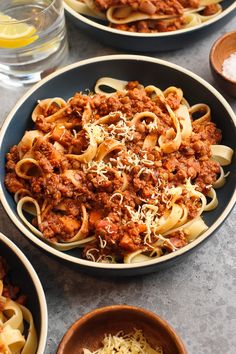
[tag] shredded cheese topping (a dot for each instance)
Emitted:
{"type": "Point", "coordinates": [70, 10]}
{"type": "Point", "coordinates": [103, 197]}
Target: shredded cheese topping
{"type": "Point", "coordinates": [132, 343]}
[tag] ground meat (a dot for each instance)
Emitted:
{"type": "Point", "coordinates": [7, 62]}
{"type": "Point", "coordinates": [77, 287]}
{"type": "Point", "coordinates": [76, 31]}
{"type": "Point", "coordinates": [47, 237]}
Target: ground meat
{"type": "Point", "coordinates": [13, 182]}
{"type": "Point", "coordinates": [103, 106]}
{"type": "Point", "coordinates": [53, 187]}
{"type": "Point", "coordinates": [108, 231]}
{"type": "Point", "coordinates": [13, 155]}
{"type": "Point", "coordinates": [167, 7]}
{"type": "Point", "coordinates": [62, 136]}
{"type": "Point", "coordinates": [207, 132]}
{"type": "Point", "coordinates": [173, 100]}
{"type": "Point", "coordinates": [151, 26]}
{"type": "Point", "coordinates": [210, 10]}
{"type": "Point", "coordinates": [136, 100]}
{"type": "Point", "coordinates": [119, 237]}
{"type": "Point", "coordinates": [79, 143]}
{"type": "Point", "coordinates": [60, 227]}
{"type": "Point", "coordinates": [69, 206]}
{"type": "Point", "coordinates": [42, 125]}
{"type": "Point", "coordinates": [131, 239]}
{"type": "Point", "coordinates": [53, 108]}
{"type": "Point", "coordinates": [209, 170]}
{"type": "Point", "coordinates": [190, 3]}
{"type": "Point", "coordinates": [49, 158]}
{"type": "Point", "coordinates": [178, 239]}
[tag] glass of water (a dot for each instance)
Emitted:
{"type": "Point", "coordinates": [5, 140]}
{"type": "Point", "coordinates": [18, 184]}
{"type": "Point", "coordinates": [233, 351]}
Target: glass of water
{"type": "Point", "coordinates": [33, 39]}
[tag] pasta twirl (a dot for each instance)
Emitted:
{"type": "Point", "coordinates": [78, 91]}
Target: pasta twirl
{"type": "Point", "coordinates": [125, 172]}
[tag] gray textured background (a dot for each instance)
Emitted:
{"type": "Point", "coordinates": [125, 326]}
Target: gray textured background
{"type": "Point", "coordinates": [197, 297]}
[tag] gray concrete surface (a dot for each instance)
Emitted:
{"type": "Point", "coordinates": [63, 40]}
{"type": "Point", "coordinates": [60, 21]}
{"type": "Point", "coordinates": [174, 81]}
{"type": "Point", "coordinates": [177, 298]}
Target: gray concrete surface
{"type": "Point", "coordinates": [197, 297]}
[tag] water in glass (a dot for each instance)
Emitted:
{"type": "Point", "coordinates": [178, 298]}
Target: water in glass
{"type": "Point", "coordinates": [32, 39]}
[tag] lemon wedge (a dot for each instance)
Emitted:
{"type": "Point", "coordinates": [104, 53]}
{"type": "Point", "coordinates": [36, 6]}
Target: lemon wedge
{"type": "Point", "coordinates": [15, 34]}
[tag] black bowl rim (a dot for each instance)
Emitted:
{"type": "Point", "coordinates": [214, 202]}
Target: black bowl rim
{"type": "Point", "coordinates": [110, 266]}
{"type": "Point", "coordinates": [110, 30]}
{"type": "Point", "coordinates": [39, 289]}
{"type": "Point", "coordinates": [88, 316]}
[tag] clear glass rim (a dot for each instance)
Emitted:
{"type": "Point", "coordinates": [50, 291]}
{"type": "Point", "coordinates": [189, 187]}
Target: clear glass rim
{"type": "Point", "coordinates": [40, 13]}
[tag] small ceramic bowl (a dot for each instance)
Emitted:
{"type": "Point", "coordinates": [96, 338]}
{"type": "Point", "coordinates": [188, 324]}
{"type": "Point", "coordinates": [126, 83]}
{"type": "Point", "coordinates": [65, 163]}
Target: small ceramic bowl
{"type": "Point", "coordinates": [89, 331]}
{"type": "Point", "coordinates": [221, 50]}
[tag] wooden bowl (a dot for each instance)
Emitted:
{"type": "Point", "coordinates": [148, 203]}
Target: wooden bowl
{"type": "Point", "coordinates": [221, 50]}
{"type": "Point", "coordinates": [89, 330]}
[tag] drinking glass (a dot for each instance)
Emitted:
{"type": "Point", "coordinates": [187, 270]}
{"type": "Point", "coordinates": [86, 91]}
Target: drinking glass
{"type": "Point", "coordinates": [33, 39]}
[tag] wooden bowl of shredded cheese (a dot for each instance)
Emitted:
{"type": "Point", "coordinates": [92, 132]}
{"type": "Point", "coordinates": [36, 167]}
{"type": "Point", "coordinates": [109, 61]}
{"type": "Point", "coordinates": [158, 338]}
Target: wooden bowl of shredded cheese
{"type": "Point", "coordinates": [121, 329]}
{"type": "Point", "coordinates": [223, 62]}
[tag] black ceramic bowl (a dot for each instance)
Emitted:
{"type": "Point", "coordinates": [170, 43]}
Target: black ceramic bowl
{"type": "Point", "coordinates": [22, 274]}
{"type": "Point", "coordinates": [83, 75]}
{"type": "Point", "coordinates": [149, 42]}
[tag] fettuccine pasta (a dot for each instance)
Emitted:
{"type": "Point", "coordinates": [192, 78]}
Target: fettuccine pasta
{"type": "Point", "coordinates": [149, 16]}
{"type": "Point", "coordinates": [125, 172]}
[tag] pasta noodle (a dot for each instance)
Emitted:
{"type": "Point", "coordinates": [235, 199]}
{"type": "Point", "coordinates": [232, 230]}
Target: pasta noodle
{"type": "Point", "coordinates": [149, 16]}
{"type": "Point", "coordinates": [125, 172]}
{"type": "Point", "coordinates": [17, 331]}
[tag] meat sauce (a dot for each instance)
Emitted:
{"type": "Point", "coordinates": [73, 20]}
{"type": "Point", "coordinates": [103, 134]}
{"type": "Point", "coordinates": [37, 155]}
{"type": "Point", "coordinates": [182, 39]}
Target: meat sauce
{"type": "Point", "coordinates": [173, 8]}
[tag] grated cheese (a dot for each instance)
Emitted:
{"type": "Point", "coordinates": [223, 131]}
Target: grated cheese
{"type": "Point", "coordinates": [97, 131]}
{"type": "Point", "coordinates": [132, 343]}
{"type": "Point", "coordinates": [121, 130]}
{"type": "Point", "coordinates": [144, 215]}
{"type": "Point", "coordinates": [99, 167]}
{"type": "Point", "coordinates": [74, 133]}
{"type": "Point", "coordinates": [144, 170]}
{"type": "Point", "coordinates": [89, 254]}
{"type": "Point", "coordinates": [106, 259]}
{"type": "Point", "coordinates": [117, 194]}
{"type": "Point", "coordinates": [132, 158]}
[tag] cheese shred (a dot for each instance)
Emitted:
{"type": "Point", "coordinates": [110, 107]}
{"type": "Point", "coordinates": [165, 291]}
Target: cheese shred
{"type": "Point", "coordinates": [132, 343]}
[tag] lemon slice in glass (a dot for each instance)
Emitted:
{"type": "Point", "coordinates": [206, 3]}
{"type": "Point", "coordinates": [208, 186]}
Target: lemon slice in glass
{"type": "Point", "coordinates": [15, 34]}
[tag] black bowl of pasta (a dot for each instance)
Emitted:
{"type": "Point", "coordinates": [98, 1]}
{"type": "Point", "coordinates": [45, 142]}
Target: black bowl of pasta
{"type": "Point", "coordinates": [23, 314]}
{"type": "Point", "coordinates": [119, 164]}
{"type": "Point", "coordinates": [150, 25]}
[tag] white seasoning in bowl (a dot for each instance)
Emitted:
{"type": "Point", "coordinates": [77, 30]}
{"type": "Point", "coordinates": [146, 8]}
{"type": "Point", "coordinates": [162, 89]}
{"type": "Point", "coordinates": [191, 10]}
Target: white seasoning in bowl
{"type": "Point", "coordinates": [229, 67]}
